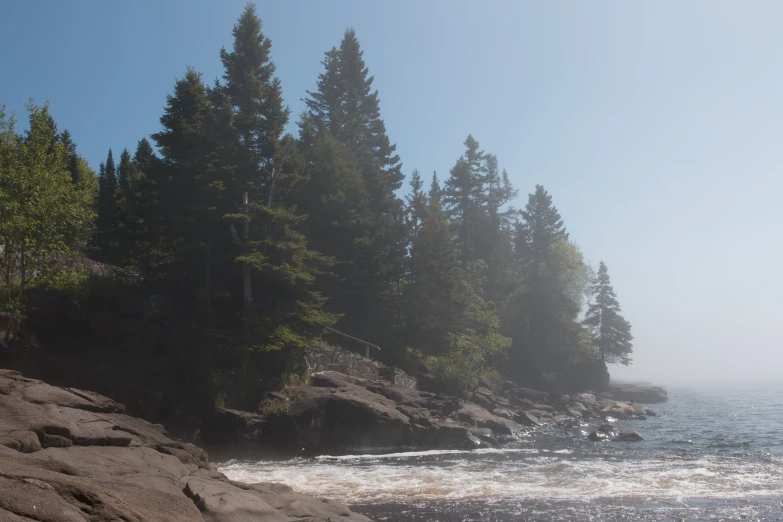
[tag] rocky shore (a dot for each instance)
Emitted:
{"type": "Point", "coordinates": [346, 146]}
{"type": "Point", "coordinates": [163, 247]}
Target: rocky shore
{"type": "Point", "coordinates": [69, 455]}
{"type": "Point", "coordinates": [73, 455]}
{"type": "Point", "coordinates": [338, 412]}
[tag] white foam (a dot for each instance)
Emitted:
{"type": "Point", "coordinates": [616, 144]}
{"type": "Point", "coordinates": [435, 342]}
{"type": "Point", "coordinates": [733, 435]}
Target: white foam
{"type": "Point", "coordinates": [432, 475]}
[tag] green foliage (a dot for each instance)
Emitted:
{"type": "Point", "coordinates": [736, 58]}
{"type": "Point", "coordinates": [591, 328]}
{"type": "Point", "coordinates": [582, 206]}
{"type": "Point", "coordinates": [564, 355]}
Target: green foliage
{"type": "Point", "coordinates": [42, 209]}
{"type": "Point", "coordinates": [264, 239]}
{"type": "Point", "coordinates": [273, 406]}
{"type": "Point", "coordinates": [476, 339]}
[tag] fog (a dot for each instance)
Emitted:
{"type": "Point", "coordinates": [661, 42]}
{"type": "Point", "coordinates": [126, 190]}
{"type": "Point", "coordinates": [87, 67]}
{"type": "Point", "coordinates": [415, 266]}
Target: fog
{"type": "Point", "coordinates": [657, 128]}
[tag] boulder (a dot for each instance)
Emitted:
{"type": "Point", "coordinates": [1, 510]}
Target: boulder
{"type": "Point", "coordinates": [527, 419]}
{"type": "Point", "coordinates": [628, 436]}
{"type": "Point", "coordinates": [588, 399]}
{"type": "Point", "coordinates": [604, 432]}
{"type": "Point", "coordinates": [620, 410]}
{"type": "Point", "coordinates": [71, 455]}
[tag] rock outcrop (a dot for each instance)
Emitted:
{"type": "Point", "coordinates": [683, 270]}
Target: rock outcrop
{"type": "Point", "coordinates": [72, 455]}
{"type": "Point", "coordinates": [337, 411]}
{"type": "Point", "coordinates": [635, 393]}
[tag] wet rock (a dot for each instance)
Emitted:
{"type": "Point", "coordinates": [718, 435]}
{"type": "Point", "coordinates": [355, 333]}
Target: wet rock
{"type": "Point", "coordinates": [650, 413]}
{"type": "Point", "coordinates": [603, 433]}
{"type": "Point", "coordinates": [628, 436]}
{"type": "Point", "coordinates": [473, 442]}
{"type": "Point", "coordinates": [527, 419]}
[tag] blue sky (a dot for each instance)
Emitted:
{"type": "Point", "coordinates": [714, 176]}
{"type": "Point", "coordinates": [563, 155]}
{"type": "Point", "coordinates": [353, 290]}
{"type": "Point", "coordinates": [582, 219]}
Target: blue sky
{"type": "Point", "coordinates": [656, 126]}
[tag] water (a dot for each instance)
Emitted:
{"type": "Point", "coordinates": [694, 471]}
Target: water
{"type": "Point", "coordinates": [710, 455]}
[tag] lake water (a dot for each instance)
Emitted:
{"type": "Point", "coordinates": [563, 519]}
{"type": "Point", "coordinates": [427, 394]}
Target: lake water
{"type": "Point", "coordinates": [709, 455]}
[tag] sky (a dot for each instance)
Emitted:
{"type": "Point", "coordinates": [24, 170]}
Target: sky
{"type": "Point", "coordinates": [656, 127]}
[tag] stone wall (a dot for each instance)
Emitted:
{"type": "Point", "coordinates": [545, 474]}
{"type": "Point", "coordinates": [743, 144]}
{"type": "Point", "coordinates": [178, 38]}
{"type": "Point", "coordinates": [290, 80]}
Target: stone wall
{"type": "Point", "coordinates": [322, 359]}
{"type": "Point", "coordinates": [398, 377]}
{"type": "Point", "coordinates": [88, 266]}
{"type": "Point", "coordinates": [336, 360]}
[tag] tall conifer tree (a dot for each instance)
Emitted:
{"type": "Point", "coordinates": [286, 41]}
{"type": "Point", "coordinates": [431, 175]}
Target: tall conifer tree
{"type": "Point", "coordinates": [611, 332]}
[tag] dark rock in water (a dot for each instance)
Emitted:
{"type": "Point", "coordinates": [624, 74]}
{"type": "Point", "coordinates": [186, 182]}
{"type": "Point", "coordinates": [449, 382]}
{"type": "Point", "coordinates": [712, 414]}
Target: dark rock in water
{"type": "Point", "coordinates": [72, 455]}
{"type": "Point", "coordinates": [527, 419]}
{"type": "Point", "coordinates": [486, 435]}
{"type": "Point", "coordinates": [598, 436]}
{"type": "Point", "coordinates": [650, 413]}
{"type": "Point", "coordinates": [602, 433]}
{"type": "Point", "coordinates": [642, 394]}
{"type": "Point", "coordinates": [628, 436]}
{"type": "Point", "coordinates": [473, 442]}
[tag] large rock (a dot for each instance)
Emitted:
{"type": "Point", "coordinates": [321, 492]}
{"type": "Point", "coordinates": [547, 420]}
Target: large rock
{"type": "Point", "coordinates": [618, 409]}
{"type": "Point", "coordinates": [635, 393]}
{"type": "Point", "coordinates": [338, 411]}
{"type": "Point", "coordinates": [68, 455]}
{"type": "Point", "coordinates": [628, 436]}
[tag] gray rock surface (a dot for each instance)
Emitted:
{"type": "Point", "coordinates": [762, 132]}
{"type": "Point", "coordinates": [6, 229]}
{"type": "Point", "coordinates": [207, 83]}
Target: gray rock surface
{"type": "Point", "coordinates": [68, 455]}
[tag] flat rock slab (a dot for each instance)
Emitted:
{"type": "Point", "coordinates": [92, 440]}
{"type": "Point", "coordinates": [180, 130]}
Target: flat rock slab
{"type": "Point", "coordinates": [70, 455]}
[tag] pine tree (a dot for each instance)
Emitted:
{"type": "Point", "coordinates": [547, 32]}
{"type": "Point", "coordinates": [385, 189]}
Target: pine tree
{"type": "Point", "coordinates": [144, 156]}
{"type": "Point", "coordinates": [346, 107]}
{"type": "Point", "coordinates": [496, 238]}
{"type": "Point", "coordinates": [277, 266]}
{"type": "Point", "coordinates": [464, 198]}
{"type": "Point", "coordinates": [104, 241]}
{"type": "Point", "coordinates": [545, 331]}
{"type": "Point", "coordinates": [611, 332]}
{"type": "Point", "coordinates": [177, 191]}
{"type": "Point", "coordinates": [127, 173]}
{"type": "Point", "coordinates": [432, 293]}
{"type": "Point", "coordinates": [414, 212]}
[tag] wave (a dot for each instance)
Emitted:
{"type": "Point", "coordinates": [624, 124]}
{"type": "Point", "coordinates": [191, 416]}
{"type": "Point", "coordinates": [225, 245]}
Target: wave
{"type": "Point", "coordinates": [449, 475]}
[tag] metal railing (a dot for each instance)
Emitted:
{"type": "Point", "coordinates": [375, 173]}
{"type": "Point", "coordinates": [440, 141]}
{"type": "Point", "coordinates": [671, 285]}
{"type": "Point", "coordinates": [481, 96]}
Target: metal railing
{"type": "Point", "coordinates": [367, 345]}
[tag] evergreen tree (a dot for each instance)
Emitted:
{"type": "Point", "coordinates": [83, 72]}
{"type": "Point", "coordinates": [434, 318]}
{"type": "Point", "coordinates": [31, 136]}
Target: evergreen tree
{"type": "Point", "coordinates": [176, 189]}
{"type": "Point", "coordinates": [465, 200]}
{"type": "Point", "coordinates": [277, 266]}
{"type": "Point", "coordinates": [611, 332]}
{"type": "Point", "coordinates": [144, 156]}
{"type": "Point", "coordinates": [346, 107]}
{"type": "Point", "coordinates": [127, 173]}
{"type": "Point", "coordinates": [104, 241]}
{"type": "Point", "coordinates": [545, 332]}
{"type": "Point", "coordinates": [415, 211]}
{"type": "Point", "coordinates": [432, 292]}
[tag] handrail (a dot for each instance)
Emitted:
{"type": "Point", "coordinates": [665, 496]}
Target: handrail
{"type": "Point", "coordinates": [365, 343]}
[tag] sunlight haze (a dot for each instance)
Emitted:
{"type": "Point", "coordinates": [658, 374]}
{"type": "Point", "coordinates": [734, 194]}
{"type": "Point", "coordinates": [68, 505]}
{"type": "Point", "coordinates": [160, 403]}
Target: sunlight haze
{"type": "Point", "coordinates": [656, 127]}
